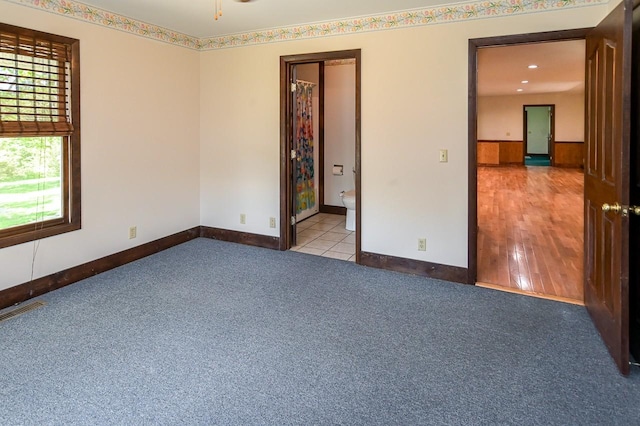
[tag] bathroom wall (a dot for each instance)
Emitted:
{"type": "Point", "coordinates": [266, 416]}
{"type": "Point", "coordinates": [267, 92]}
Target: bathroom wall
{"type": "Point", "coordinates": [339, 129]}
{"type": "Point", "coordinates": [311, 73]}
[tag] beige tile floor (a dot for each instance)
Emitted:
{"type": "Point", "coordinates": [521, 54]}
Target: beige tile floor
{"type": "Point", "coordinates": [325, 235]}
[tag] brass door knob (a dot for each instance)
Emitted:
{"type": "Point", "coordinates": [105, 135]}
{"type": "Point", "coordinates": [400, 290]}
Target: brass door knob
{"type": "Point", "coordinates": [635, 210]}
{"type": "Point", "coordinates": [615, 207]}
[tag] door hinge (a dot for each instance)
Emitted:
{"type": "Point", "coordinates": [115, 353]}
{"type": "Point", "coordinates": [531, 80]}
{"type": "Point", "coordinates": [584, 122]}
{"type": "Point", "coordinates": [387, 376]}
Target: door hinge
{"type": "Point", "coordinates": [293, 154]}
{"type": "Point", "coordinates": [293, 220]}
{"type": "Point", "coordinates": [294, 86]}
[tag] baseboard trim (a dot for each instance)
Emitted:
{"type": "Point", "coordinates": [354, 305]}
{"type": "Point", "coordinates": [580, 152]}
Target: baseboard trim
{"type": "Point", "coordinates": [43, 285]}
{"type": "Point", "coordinates": [333, 210]}
{"type": "Point", "coordinates": [415, 267]}
{"type": "Point", "coordinates": [40, 286]}
{"type": "Point", "coordinates": [246, 238]}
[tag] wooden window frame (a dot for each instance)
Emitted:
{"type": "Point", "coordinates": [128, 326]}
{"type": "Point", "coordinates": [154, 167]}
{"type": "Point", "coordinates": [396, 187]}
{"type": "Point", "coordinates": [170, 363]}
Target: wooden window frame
{"type": "Point", "coordinates": [70, 152]}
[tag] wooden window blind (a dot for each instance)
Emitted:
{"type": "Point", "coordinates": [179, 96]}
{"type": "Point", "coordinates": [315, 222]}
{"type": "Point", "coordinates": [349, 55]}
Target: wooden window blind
{"type": "Point", "coordinates": [35, 89]}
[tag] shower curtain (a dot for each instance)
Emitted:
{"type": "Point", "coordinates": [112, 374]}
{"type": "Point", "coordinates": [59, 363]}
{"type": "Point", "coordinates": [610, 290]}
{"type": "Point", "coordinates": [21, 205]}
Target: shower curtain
{"type": "Point", "coordinates": [304, 147]}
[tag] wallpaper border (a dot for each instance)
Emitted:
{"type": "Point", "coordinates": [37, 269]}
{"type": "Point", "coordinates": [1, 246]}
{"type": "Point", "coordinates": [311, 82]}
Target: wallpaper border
{"type": "Point", "coordinates": [402, 19]}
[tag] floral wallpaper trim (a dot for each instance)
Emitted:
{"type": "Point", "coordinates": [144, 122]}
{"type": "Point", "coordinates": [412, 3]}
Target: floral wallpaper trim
{"type": "Point", "coordinates": [83, 12]}
{"type": "Point", "coordinates": [403, 19]}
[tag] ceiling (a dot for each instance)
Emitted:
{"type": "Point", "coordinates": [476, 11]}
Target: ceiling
{"type": "Point", "coordinates": [500, 69]}
{"type": "Point", "coordinates": [196, 17]}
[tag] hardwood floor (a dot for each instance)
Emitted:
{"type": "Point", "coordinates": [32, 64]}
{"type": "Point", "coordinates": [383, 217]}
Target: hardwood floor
{"type": "Point", "coordinates": [530, 235]}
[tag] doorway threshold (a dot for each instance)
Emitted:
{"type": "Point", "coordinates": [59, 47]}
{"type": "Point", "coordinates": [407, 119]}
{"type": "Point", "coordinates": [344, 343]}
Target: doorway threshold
{"type": "Point", "coordinates": [531, 294]}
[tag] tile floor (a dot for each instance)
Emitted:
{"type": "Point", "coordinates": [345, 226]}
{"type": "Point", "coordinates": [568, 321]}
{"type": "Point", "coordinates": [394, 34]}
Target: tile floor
{"type": "Point", "coordinates": [324, 235]}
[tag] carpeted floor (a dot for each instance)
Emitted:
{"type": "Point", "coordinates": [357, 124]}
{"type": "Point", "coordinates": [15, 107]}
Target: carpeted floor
{"type": "Point", "coordinates": [218, 333]}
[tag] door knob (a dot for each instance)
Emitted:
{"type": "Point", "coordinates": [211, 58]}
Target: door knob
{"type": "Point", "coordinates": [615, 207]}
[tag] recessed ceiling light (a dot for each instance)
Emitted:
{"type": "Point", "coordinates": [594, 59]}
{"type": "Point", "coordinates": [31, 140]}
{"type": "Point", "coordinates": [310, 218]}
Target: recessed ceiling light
{"type": "Point", "coordinates": [532, 66]}
{"type": "Point", "coordinates": [520, 90]}
{"type": "Point", "coordinates": [524, 81]}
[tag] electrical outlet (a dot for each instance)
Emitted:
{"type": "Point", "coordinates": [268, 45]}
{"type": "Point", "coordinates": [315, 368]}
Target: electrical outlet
{"type": "Point", "coordinates": [133, 232]}
{"type": "Point", "coordinates": [422, 244]}
{"type": "Point", "coordinates": [243, 218]}
{"type": "Point", "coordinates": [272, 222]}
{"type": "Point", "coordinates": [444, 156]}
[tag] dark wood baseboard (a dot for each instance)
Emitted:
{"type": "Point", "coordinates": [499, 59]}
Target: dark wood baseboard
{"type": "Point", "coordinates": [415, 267]}
{"type": "Point", "coordinates": [40, 286]}
{"type": "Point", "coordinates": [240, 237]}
{"type": "Point", "coordinates": [333, 209]}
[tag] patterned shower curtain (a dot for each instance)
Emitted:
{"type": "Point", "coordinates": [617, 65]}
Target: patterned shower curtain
{"type": "Point", "coordinates": [304, 147]}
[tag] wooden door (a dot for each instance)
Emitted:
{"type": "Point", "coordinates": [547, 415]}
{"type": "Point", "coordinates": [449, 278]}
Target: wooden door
{"type": "Point", "coordinates": [634, 193]}
{"type": "Point", "coordinates": [607, 133]}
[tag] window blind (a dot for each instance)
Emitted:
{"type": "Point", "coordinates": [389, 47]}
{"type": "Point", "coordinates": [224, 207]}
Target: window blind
{"type": "Point", "coordinates": [35, 95]}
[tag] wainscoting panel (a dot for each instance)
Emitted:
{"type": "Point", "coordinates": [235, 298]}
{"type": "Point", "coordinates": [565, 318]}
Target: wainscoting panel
{"type": "Point", "coordinates": [568, 154]}
{"type": "Point", "coordinates": [511, 153]}
{"type": "Point", "coordinates": [488, 153]}
{"type": "Point", "coordinates": [500, 153]}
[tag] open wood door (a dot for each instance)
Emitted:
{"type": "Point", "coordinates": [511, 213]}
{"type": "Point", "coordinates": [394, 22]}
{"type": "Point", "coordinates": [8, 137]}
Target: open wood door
{"type": "Point", "coordinates": [607, 135]}
{"type": "Point", "coordinates": [634, 194]}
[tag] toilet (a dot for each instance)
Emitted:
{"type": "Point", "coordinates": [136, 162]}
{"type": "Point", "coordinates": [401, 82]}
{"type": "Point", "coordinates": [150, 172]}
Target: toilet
{"type": "Point", "coordinates": [349, 201]}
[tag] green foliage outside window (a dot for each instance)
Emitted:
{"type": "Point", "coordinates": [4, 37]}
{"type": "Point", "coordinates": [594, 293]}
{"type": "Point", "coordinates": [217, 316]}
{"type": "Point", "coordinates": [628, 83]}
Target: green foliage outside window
{"type": "Point", "coordinates": [30, 180]}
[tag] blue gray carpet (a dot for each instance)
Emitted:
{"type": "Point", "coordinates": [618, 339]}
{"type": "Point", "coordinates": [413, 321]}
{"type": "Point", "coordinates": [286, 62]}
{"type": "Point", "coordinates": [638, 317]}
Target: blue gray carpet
{"type": "Point", "coordinates": [218, 333]}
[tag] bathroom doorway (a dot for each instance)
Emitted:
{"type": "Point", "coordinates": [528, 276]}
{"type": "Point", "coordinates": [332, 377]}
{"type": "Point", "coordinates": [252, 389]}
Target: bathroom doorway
{"type": "Point", "coordinates": [332, 172]}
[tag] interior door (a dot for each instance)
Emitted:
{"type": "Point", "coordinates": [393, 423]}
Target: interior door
{"type": "Point", "coordinates": [538, 129]}
{"type": "Point", "coordinates": [634, 193]}
{"type": "Point", "coordinates": [607, 133]}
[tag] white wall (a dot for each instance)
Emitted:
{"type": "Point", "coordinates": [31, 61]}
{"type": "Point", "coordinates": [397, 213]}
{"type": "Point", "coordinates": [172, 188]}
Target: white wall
{"type": "Point", "coordinates": [339, 130]}
{"type": "Point", "coordinates": [414, 102]}
{"type": "Point", "coordinates": [500, 117]}
{"type": "Point", "coordinates": [146, 106]}
{"type": "Point", "coordinates": [140, 129]}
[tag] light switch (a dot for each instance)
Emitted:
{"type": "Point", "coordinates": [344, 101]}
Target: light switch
{"type": "Point", "coordinates": [444, 155]}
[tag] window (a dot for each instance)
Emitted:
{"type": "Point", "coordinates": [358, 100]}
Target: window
{"type": "Point", "coordinates": [39, 135]}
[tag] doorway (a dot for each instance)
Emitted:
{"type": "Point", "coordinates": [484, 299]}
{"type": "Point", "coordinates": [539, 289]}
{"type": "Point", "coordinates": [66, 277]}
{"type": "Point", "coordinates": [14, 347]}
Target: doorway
{"type": "Point", "coordinates": [609, 167]}
{"type": "Point", "coordinates": [529, 229]}
{"type": "Point", "coordinates": [289, 158]}
{"type": "Point", "coordinates": [538, 131]}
